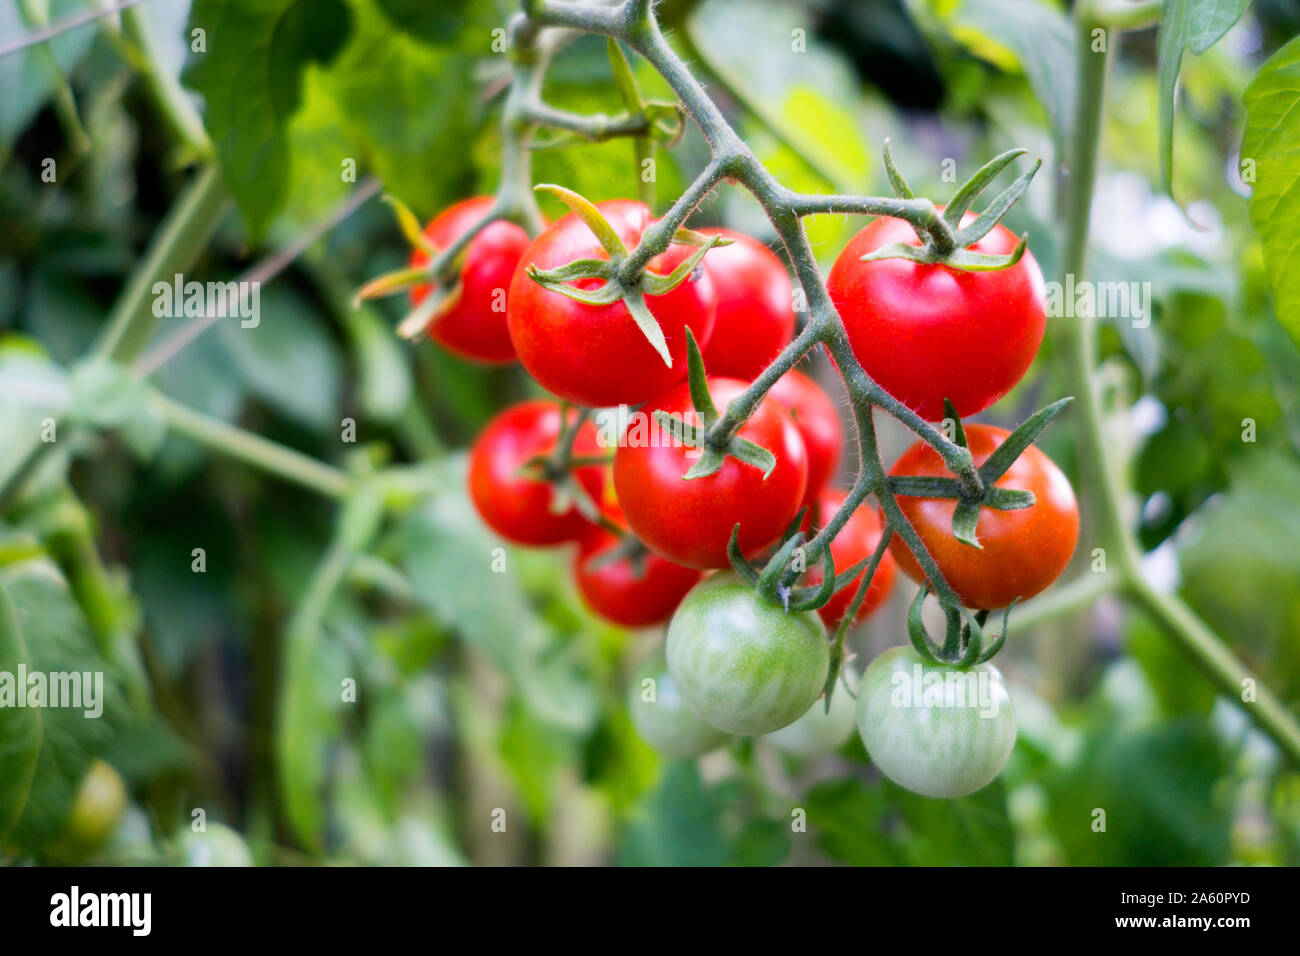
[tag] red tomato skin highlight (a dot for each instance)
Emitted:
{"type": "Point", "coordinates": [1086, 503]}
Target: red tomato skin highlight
{"type": "Point", "coordinates": [857, 541]}
{"type": "Point", "coordinates": [755, 306]}
{"type": "Point", "coordinates": [819, 426]}
{"type": "Point", "coordinates": [518, 507]}
{"type": "Point", "coordinates": [925, 331]}
{"type": "Point", "coordinates": [475, 327]}
{"type": "Point", "coordinates": [1023, 551]}
{"type": "Point", "coordinates": [596, 355]}
{"type": "Point", "coordinates": [616, 593]}
{"type": "Point", "coordinates": [690, 521]}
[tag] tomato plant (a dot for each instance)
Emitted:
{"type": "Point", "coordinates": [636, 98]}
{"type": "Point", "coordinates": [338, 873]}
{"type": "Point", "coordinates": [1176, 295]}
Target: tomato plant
{"type": "Point", "coordinates": [1021, 552]}
{"type": "Point", "coordinates": [473, 323]}
{"type": "Point", "coordinates": [507, 480]}
{"type": "Point", "coordinates": [755, 311]}
{"type": "Point", "coordinates": [742, 664]}
{"type": "Point", "coordinates": [690, 521]}
{"type": "Point", "coordinates": [927, 332]}
{"type": "Point", "coordinates": [598, 355]}
{"type": "Point", "coordinates": [937, 730]}
{"type": "Point", "coordinates": [373, 604]}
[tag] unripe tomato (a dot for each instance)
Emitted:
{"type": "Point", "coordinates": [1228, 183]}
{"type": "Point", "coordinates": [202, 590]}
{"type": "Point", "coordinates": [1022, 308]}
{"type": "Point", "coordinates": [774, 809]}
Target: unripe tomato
{"type": "Point", "coordinates": [1022, 551]}
{"type": "Point", "coordinates": [818, 422]}
{"type": "Point", "coordinates": [934, 729]}
{"type": "Point", "coordinates": [690, 521]}
{"type": "Point", "coordinates": [742, 664]}
{"type": "Point", "coordinates": [518, 506]}
{"type": "Point", "coordinates": [755, 306]}
{"type": "Point", "coordinates": [620, 592]}
{"type": "Point", "coordinates": [662, 718]}
{"type": "Point", "coordinates": [597, 355]}
{"type": "Point", "coordinates": [475, 326]}
{"type": "Point", "coordinates": [856, 542]}
{"type": "Point", "coordinates": [819, 732]}
{"type": "Point", "coordinates": [99, 806]}
{"type": "Point", "coordinates": [926, 331]}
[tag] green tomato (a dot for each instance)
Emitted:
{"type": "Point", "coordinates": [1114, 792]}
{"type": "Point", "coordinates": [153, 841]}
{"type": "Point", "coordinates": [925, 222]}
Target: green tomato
{"type": "Point", "coordinates": [742, 664]}
{"type": "Point", "coordinates": [218, 845]}
{"type": "Point", "coordinates": [100, 803]}
{"type": "Point", "coordinates": [819, 732]}
{"type": "Point", "coordinates": [934, 729]}
{"type": "Point", "coordinates": [662, 717]}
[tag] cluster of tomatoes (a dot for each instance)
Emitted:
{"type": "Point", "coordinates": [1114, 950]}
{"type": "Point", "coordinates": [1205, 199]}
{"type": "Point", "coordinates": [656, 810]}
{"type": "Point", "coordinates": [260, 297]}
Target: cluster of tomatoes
{"type": "Point", "coordinates": [652, 545]}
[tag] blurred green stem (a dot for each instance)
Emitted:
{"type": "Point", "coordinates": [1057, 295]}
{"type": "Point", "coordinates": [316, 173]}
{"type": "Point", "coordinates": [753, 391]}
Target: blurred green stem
{"type": "Point", "coordinates": [1077, 337]}
{"type": "Point", "coordinates": [254, 449]}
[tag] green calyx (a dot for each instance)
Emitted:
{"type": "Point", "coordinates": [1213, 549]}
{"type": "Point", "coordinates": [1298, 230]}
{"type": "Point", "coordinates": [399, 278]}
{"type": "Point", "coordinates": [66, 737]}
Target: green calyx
{"type": "Point", "coordinates": [712, 452]}
{"type": "Point", "coordinates": [966, 641]}
{"type": "Point", "coordinates": [965, 518]}
{"type": "Point", "coordinates": [944, 241]}
{"type": "Point", "coordinates": [613, 288]}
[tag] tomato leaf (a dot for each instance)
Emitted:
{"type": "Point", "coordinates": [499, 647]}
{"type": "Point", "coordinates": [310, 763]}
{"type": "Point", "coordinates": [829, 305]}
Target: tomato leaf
{"type": "Point", "coordinates": [1185, 24]}
{"type": "Point", "coordinates": [1272, 145]}
{"type": "Point", "coordinates": [260, 48]}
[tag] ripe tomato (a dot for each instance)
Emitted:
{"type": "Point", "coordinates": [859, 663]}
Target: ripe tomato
{"type": "Point", "coordinates": [690, 521]}
{"type": "Point", "coordinates": [856, 541]}
{"type": "Point", "coordinates": [742, 664]}
{"type": "Point", "coordinates": [596, 355]}
{"type": "Point", "coordinates": [819, 732]}
{"type": "Point", "coordinates": [620, 592]}
{"type": "Point", "coordinates": [662, 718]}
{"type": "Point", "coordinates": [475, 327]}
{"type": "Point", "coordinates": [815, 416]}
{"type": "Point", "coordinates": [1023, 551]}
{"type": "Point", "coordinates": [934, 729]}
{"type": "Point", "coordinates": [519, 506]}
{"type": "Point", "coordinates": [755, 306]}
{"type": "Point", "coordinates": [925, 331]}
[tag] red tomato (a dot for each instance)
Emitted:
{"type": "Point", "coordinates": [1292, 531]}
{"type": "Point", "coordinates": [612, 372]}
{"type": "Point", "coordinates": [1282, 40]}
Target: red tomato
{"type": "Point", "coordinates": [818, 422]}
{"type": "Point", "coordinates": [925, 331]}
{"type": "Point", "coordinates": [618, 593]}
{"type": "Point", "coordinates": [856, 542]}
{"type": "Point", "coordinates": [690, 521]}
{"type": "Point", "coordinates": [475, 327]}
{"type": "Point", "coordinates": [755, 311]}
{"type": "Point", "coordinates": [596, 355]}
{"type": "Point", "coordinates": [518, 507]}
{"type": "Point", "coordinates": [1023, 551]}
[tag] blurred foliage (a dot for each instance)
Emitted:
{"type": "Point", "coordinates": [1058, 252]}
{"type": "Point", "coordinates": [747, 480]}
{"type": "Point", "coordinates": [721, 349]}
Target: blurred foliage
{"type": "Point", "coordinates": [481, 691]}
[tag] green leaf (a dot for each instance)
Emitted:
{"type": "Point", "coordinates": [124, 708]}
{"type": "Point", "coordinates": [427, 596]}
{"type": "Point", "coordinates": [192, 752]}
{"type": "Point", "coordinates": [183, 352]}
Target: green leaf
{"type": "Point", "coordinates": [289, 359]}
{"type": "Point", "coordinates": [27, 85]}
{"type": "Point", "coordinates": [847, 818]}
{"type": "Point", "coordinates": [969, 831]}
{"type": "Point", "coordinates": [42, 627]}
{"type": "Point", "coordinates": [1272, 143]}
{"type": "Point", "coordinates": [259, 48]}
{"type": "Point", "coordinates": [677, 824]}
{"type": "Point", "coordinates": [1185, 24]}
{"type": "Point", "coordinates": [436, 23]}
